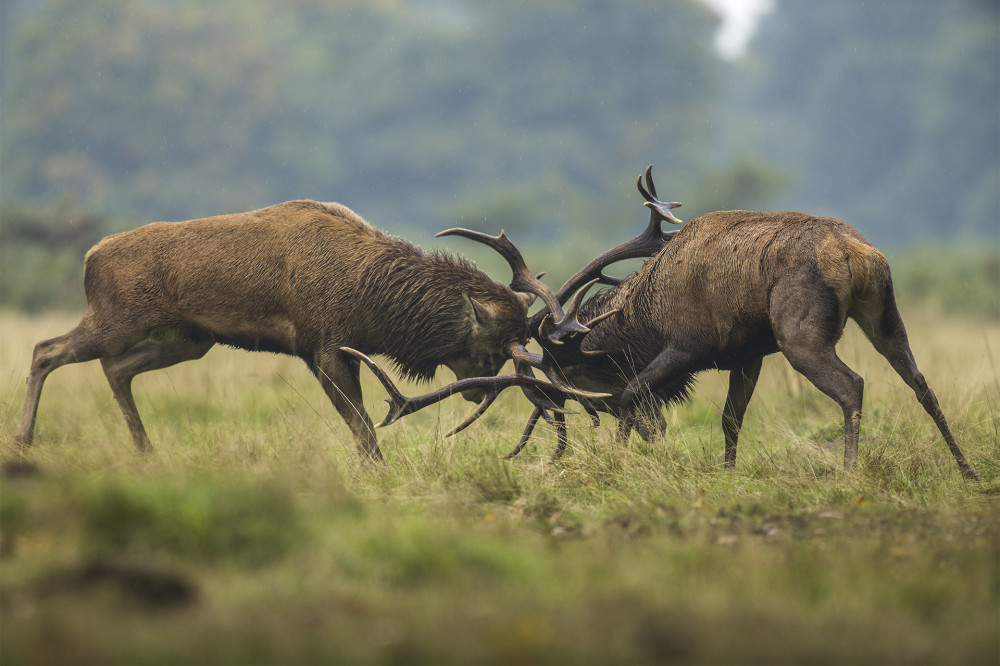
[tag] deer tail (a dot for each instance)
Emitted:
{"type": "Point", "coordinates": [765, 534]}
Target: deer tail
{"type": "Point", "coordinates": [869, 269]}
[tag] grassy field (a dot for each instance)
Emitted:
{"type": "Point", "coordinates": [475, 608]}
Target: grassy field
{"type": "Point", "coordinates": [254, 534]}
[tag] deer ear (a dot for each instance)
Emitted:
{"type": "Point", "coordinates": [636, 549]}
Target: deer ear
{"type": "Point", "coordinates": [477, 314]}
{"type": "Point", "coordinates": [525, 298]}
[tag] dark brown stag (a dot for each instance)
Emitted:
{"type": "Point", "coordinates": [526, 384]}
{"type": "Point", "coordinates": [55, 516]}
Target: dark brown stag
{"type": "Point", "coordinates": [300, 278]}
{"type": "Point", "coordinates": [725, 291]}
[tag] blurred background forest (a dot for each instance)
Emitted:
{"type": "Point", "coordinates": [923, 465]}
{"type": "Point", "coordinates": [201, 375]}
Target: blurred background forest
{"type": "Point", "coordinates": [535, 117]}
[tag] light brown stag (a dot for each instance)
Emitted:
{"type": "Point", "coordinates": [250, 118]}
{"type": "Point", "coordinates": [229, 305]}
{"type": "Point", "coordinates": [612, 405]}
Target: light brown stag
{"type": "Point", "coordinates": [300, 278]}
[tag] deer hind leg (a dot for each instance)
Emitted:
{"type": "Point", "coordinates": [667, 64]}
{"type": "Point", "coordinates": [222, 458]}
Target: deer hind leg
{"type": "Point", "coordinates": [807, 322]}
{"type": "Point", "coordinates": [84, 343]}
{"type": "Point", "coordinates": [888, 335]}
{"type": "Point", "coordinates": [822, 367]}
{"type": "Point", "coordinates": [145, 356]}
{"type": "Point", "coordinates": [742, 382]}
{"type": "Point", "coordinates": [339, 374]}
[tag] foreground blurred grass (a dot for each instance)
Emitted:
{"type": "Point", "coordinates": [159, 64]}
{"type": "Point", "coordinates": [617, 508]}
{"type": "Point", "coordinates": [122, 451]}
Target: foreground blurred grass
{"type": "Point", "coordinates": [253, 533]}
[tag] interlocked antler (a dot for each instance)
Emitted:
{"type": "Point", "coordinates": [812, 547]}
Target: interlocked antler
{"type": "Point", "coordinates": [565, 323]}
{"type": "Point", "coordinates": [646, 244]}
{"type": "Point", "coordinates": [400, 405]}
{"type": "Point", "coordinates": [523, 359]}
{"type": "Point", "coordinates": [556, 418]}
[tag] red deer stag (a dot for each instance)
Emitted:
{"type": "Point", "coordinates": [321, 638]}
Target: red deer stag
{"type": "Point", "coordinates": [300, 278]}
{"type": "Point", "coordinates": [723, 292]}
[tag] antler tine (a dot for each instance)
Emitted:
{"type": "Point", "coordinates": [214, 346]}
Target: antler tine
{"type": "Point", "coordinates": [537, 398]}
{"type": "Point", "coordinates": [526, 435]}
{"type": "Point", "coordinates": [560, 427]}
{"type": "Point", "coordinates": [574, 304]}
{"type": "Point", "coordinates": [542, 406]}
{"type": "Point", "coordinates": [642, 190]}
{"type": "Point", "coordinates": [558, 424]}
{"type": "Point", "coordinates": [523, 279]}
{"type": "Point", "coordinates": [522, 358]}
{"type": "Point", "coordinates": [397, 401]}
{"type": "Point", "coordinates": [544, 362]}
{"type": "Point", "coordinates": [601, 317]}
{"type": "Point", "coordinates": [649, 180]}
{"type": "Point", "coordinates": [573, 310]}
{"type": "Point", "coordinates": [659, 210]}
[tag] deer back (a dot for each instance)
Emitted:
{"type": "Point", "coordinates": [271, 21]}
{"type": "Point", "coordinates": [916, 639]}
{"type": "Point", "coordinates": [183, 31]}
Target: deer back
{"type": "Point", "coordinates": [711, 284]}
{"type": "Point", "coordinates": [297, 276]}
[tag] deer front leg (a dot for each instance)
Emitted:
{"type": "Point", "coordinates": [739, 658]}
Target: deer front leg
{"type": "Point", "coordinates": [561, 434]}
{"type": "Point", "coordinates": [48, 355]}
{"type": "Point", "coordinates": [339, 374]}
{"type": "Point", "coordinates": [742, 382]}
{"type": "Point", "coordinates": [667, 366]}
{"type": "Point", "coordinates": [649, 422]}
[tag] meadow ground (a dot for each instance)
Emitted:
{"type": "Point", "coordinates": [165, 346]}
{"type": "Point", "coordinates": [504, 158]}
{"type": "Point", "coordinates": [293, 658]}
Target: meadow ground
{"type": "Point", "coordinates": [253, 533]}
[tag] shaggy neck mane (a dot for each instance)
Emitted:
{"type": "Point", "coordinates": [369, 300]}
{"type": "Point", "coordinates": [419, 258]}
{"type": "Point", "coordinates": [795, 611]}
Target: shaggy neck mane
{"type": "Point", "coordinates": [414, 309]}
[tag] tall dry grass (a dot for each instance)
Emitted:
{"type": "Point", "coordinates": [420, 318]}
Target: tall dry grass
{"type": "Point", "coordinates": [253, 533]}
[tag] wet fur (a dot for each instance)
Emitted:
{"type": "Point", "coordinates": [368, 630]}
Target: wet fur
{"type": "Point", "coordinates": [728, 289]}
{"type": "Point", "coordinates": [301, 278]}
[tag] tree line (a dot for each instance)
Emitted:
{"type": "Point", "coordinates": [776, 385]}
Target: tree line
{"type": "Point", "coordinates": [533, 117]}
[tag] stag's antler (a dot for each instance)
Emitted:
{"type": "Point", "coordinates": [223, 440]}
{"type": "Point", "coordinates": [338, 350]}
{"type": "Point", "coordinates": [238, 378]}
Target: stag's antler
{"type": "Point", "coordinates": [646, 244]}
{"type": "Point", "coordinates": [659, 210]}
{"type": "Point", "coordinates": [400, 405]}
{"type": "Point", "coordinates": [556, 420]}
{"type": "Point", "coordinates": [524, 281]}
{"type": "Point", "coordinates": [574, 306]}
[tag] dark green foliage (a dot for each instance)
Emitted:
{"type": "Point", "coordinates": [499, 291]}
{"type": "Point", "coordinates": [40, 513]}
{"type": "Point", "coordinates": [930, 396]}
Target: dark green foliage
{"type": "Point", "coordinates": [177, 110]}
{"type": "Point", "coordinates": [958, 278]}
{"type": "Point", "coordinates": [884, 113]}
{"type": "Point", "coordinates": [534, 117]}
{"type": "Point", "coordinates": [41, 254]}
